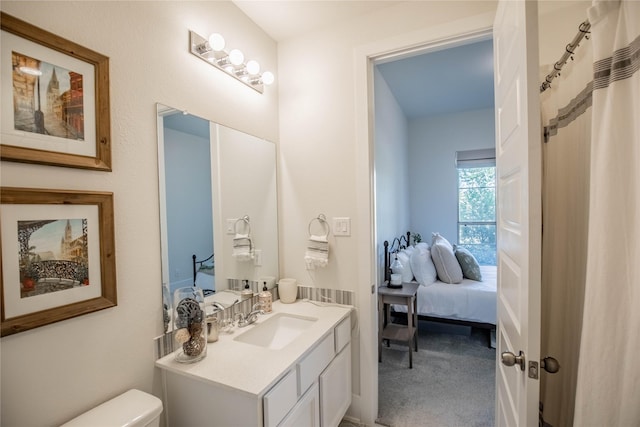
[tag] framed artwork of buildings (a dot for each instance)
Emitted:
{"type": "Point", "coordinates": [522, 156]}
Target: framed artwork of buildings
{"type": "Point", "coordinates": [55, 99]}
{"type": "Point", "coordinates": [57, 256]}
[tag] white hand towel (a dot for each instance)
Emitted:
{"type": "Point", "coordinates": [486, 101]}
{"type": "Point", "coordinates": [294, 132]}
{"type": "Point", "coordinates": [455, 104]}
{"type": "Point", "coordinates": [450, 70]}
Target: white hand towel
{"type": "Point", "coordinates": [242, 247]}
{"type": "Point", "coordinates": [317, 253]}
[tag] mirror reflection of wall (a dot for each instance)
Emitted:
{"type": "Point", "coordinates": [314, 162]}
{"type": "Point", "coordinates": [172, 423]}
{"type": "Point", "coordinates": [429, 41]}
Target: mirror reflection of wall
{"type": "Point", "coordinates": [188, 190]}
{"type": "Point", "coordinates": [247, 174]}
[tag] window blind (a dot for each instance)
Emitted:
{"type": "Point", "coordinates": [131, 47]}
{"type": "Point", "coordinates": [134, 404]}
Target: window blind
{"type": "Point", "coordinates": [482, 158]}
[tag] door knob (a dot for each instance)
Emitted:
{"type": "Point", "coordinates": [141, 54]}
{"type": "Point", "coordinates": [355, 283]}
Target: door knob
{"type": "Point", "coordinates": [550, 364]}
{"type": "Point", "coordinates": [510, 359]}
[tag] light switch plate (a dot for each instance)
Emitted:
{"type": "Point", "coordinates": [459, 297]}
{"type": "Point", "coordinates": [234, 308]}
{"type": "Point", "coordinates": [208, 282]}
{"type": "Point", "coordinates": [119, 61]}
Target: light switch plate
{"type": "Point", "coordinates": [231, 223]}
{"type": "Point", "coordinates": [342, 226]}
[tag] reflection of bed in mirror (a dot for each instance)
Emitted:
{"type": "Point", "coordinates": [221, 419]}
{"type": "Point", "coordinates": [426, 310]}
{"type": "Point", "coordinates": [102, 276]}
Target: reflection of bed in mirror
{"type": "Point", "coordinates": [204, 274]}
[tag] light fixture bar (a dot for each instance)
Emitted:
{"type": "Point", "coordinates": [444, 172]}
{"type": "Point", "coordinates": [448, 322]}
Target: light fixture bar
{"type": "Point", "coordinates": [199, 46]}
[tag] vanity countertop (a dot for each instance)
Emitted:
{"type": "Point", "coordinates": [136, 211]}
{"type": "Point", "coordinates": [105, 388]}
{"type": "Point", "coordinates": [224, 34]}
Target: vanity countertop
{"type": "Point", "coordinates": [253, 369]}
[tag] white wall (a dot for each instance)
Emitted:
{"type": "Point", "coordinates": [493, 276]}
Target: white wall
{"type": "Point", "coordinates": [433, 179]}
{"type": "Point", "coordinates": [54, 372]}
{"type": "Point", "coordinates": [325, 167]}
{"type": "Point", "coordinates": [391, 171]}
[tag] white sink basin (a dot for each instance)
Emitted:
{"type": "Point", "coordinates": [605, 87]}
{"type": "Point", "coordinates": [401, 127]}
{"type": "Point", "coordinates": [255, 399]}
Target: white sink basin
{"type": "Point", "coordinates": [277, 331]}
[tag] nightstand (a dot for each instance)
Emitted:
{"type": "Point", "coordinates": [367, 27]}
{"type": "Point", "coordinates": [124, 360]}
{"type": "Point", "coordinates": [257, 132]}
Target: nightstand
{"type": "Point", "coordinates": [392, 331]}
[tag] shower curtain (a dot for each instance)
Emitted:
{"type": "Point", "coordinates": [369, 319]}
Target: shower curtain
{"type": "Point", "coordinates": [608, 389]}
{"type": "Point", "coordinates": [566, 112]}
{"type": "Point", "coordinates": [591, 226]}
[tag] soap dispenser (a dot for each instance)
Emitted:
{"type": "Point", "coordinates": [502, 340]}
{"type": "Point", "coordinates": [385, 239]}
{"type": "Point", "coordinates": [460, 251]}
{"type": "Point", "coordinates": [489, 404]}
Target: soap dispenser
{"type": "Point", "coordinates": [265, 299]}
{"type": "Point", "coordinates": [246, 292]}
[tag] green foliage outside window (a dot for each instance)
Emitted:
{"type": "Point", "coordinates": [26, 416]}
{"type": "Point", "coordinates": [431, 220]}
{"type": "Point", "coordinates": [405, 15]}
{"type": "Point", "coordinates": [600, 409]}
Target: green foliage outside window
{"type": "Point", "coordinates": [477, 212]}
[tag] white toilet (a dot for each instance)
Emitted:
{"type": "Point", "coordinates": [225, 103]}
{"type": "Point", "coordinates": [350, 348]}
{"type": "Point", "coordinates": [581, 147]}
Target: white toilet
{"type": "Point", "coordinates": [133, 408]}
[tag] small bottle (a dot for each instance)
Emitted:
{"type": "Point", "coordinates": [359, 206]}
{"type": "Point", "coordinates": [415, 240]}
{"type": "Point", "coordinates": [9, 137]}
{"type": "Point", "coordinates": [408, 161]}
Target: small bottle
{"type": "Point", "coordinates": [265, 299]}
{"type": "Point", "coordinates": [246, 292]}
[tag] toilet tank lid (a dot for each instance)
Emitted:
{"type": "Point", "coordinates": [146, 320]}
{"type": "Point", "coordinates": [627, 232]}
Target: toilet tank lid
{"type": "Point", "coordinates": [131, 408]}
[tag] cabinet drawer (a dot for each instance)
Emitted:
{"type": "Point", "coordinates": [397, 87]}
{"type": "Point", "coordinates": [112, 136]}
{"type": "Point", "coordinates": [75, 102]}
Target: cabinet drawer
{"type": "Point", "coordinates": [343, 333]}
{"type": "Point", "coordinates": [280, 399]}
{"type": "Point", "coordinates": [313, 363]}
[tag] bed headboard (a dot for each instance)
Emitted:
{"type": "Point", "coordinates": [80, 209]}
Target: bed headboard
{"type": "Point", "coordinates": [197, 264]}
{"type": "Point", "coordinates": [397, 244]}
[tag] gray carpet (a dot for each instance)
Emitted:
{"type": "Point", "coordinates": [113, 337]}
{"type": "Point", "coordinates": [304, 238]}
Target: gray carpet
{"type": "Point", "coordinates": [452, 383]}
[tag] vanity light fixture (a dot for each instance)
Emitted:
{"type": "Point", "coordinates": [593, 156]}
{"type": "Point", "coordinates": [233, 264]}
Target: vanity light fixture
{"type": "Point", "coordinates": [212, 50]}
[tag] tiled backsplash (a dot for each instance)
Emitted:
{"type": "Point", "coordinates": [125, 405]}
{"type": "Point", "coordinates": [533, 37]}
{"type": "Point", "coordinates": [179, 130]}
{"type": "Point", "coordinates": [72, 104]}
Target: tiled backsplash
{"type": "Point", "coordinates": [336, 296]}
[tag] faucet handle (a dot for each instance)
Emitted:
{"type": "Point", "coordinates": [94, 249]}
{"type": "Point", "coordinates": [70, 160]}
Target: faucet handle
{"type": "Point", "coordinates": [216, 306]}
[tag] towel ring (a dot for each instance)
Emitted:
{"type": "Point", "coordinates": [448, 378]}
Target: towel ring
{"type": "Point", "coordinates": [322, 220]}
{"type": "Point", "coordinates": [245, 220]}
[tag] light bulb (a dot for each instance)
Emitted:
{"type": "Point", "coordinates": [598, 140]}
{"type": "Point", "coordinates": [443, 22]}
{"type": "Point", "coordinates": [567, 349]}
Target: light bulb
{"type": "Point", "coordinates": [267, 78]}
{"type": "Point", "coordinates": [216, 41]}
{"type": "Point", "coordinates": [253, 67]}
{"type": "Point", "coordinates": [236, 57]}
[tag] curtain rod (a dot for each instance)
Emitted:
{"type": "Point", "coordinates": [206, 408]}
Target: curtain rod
{"type": "Point", "coordinates": [583, 30]}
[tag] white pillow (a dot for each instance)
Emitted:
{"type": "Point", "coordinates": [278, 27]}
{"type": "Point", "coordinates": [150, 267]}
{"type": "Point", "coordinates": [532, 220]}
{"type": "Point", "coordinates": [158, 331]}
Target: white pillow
{"type": "Point", "coordinates": [447, 266]}
{"type": "Point", "coordinates": [422, 245]}
{"type": "Point", "coordinates": [422, 265]}
{"type": "Point", "coordinates": [436, 237]}
{"type": "Point", "coordinates": [407, 272]}
{"type": "Point", "coordinates": [409, 250]}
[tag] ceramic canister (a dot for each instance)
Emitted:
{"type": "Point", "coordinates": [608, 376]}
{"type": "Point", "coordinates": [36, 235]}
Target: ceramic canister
{"type": "Point", "coordinates": [288, 290]}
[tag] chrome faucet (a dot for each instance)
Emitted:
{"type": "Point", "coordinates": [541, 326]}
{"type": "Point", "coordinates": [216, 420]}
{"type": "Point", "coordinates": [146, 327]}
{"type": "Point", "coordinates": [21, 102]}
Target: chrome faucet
{"type": "Point", "coordinates": [249, 318]}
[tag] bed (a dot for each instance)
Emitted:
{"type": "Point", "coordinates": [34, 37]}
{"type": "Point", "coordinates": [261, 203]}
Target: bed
{"type": "Point", "coordinates": [204, 274]}
{"type": "Point", "coordinates": [469, 303]}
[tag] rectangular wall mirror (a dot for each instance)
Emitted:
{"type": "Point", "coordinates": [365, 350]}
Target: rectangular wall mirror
{"type": "Point", "coordinates": [218, 203]}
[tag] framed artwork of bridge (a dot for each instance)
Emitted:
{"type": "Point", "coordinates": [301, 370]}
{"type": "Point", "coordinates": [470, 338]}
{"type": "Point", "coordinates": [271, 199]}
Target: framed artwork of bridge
{"type": "Point", "coordinates": [57, 256]}
{"type": "Point", "coordinates": [56, 104]}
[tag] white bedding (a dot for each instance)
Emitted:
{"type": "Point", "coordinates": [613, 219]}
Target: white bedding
{"type": "Point", "coordinates": [470, 300]}
{"type": "Point", "coordinates": [205, 281]}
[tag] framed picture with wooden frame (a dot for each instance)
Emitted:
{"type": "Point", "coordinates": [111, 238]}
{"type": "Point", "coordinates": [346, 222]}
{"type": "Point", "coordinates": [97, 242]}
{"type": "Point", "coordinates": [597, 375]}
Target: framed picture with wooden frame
{"type": "Point", "coordinates": [55, 103]}
{"type": "Point", "coordinates": [57, 256]}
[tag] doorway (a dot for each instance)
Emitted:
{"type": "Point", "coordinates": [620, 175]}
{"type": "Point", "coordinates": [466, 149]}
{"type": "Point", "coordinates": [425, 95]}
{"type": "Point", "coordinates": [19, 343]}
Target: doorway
{"type": "Point", "coordinates": [430, 104]}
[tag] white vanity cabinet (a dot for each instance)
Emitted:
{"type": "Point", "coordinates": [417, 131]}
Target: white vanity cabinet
{"type": "Point", "coordinates": [324, 376]}
{"type": "Point", "coordinates": [310, 385]}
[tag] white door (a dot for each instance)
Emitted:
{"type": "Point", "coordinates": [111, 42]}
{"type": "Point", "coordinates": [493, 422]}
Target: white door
{"type": "Point", "coordinates": [518, 157]}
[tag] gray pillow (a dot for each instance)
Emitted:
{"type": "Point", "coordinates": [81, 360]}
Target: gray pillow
{"type": "Point", "coordinates": [447, 266]}
{"type": "Point", "coordinates": [469, 264]}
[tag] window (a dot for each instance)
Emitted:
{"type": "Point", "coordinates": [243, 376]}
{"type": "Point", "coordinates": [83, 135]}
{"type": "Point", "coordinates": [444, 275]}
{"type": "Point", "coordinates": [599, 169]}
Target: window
{"type": "Point", "coordinates": [477, 204]}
